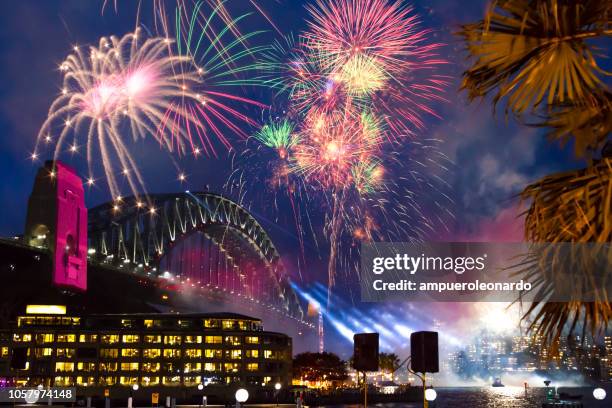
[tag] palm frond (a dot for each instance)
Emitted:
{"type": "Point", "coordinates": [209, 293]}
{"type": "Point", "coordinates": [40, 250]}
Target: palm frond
{"type": "Point", "coordinates": [570, 283]}
{"type": "Point", "coordinates": [590, 123]}
{"type": "Point", "coordinates": [570, 207]}
{"type": "Point", "coordinates": [535, 51]}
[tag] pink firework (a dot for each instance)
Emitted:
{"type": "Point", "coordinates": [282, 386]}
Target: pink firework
{"type": "Point", "coordinates": [134, 87]}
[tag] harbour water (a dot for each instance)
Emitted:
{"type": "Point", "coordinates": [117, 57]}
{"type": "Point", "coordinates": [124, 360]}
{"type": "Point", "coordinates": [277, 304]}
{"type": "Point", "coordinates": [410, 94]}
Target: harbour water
{"type": "Point", "coordinates": [503, 397]}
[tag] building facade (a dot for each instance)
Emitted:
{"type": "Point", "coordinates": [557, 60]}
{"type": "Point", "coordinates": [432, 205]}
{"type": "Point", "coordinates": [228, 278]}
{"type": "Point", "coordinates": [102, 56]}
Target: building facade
{"type": "Point", "coordinates": [219, 351]}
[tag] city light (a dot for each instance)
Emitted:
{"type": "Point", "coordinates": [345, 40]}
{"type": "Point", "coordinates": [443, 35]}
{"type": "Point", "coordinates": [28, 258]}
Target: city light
{"type": "Point", "coordinates": [46, 309]}
{"type": "Point", "coordinates": [430, 394]}
{"type": "Point", "coordinates": [599, 393]}
{"type": "Point", "coordinates": [277, 386]}
{"type": "Point", "coordinates": [242, 395]}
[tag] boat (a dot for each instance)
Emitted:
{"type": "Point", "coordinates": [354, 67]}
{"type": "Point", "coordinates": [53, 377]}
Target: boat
{"type": "Point", "coordinates": [497, 383]}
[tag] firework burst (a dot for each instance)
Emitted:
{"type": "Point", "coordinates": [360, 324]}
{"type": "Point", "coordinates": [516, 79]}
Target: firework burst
{"type": "Point", "coordinates": [359, 83]}
{"type": "Point", "coordinates": [128, 85]}
{"type": "Point", "coordinates": [142, 87]}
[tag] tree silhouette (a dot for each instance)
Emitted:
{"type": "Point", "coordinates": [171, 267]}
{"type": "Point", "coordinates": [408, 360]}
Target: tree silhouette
{"type": "Point", "coordinates": [319, 367]}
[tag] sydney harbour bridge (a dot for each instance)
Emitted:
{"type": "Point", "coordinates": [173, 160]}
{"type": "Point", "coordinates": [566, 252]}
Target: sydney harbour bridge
{"type": "Point", "coordinates": [196, 239]}
{"type": "Point", "coordinates": [174, 252]}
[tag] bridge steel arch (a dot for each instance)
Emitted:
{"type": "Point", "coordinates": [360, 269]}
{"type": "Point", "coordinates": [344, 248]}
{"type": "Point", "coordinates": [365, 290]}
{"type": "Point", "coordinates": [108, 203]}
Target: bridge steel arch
{"type": "Point", "coordinates": [140, 236]}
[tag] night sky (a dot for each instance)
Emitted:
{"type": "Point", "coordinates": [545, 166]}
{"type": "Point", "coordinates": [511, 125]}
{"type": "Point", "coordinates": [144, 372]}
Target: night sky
{"type": "Point", "coordinates": [494, 158]}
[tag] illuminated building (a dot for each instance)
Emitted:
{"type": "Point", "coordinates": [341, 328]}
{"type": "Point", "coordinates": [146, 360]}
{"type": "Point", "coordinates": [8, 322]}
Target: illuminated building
{"type": "Point", "coordinates": [152, 350]}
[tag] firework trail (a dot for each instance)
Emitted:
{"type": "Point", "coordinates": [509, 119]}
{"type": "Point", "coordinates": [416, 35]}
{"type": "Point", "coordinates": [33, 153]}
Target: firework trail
{"type": "Point", "coordinates": [263, 168]}
{"type": "Point", "coordinates": [161, 15]}
{"type": "Point", "coordinates": [138, 87]}
{"type": "Point", "coordinates": [224, 62]}
{"type": "Point", "coordinates": [372, 53]}
{"type": "Point", "coordinates": [123, 84]}
{"type": "Point", "coordinates": [361, 79]}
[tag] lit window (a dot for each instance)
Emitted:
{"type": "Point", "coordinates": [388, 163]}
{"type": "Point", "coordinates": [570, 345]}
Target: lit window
{"type": "Point", "coordinates": [110, 338]}
{"type": "Point", "coordinates": [85, 381]}
{"type": "Point", "coordinates": [88, 338]}
{"type": "Point", "coordinates": [184, 324]}
{"type": "Point", "coordinates": [172, 340]}
{"type": "Point", "coordinates": [252, 353]}
{"type": "Point", "coordinates": [148, 323]}
{"type": "Point", "coordinates": [4, 352]}
{"type": "Point", "coordinates": [193, 339]}
{"type": "Point", "coordinates": [42, 338]}
{"type": "Point", "coordinates": [176, 380]}
{"type": "Point", "coordinates": [64, 381]}
{"type": "Point", "coordinates": [228, 324]}
{"type": "Point", "coordinates": [128, 323]}
{"type": "Point", "coordinates": [268, 354]}
{"type": "Point", "coordinates": [22, 338]}
{"type": "Point", "coordinates": [152, 339]}
{"type": "Point", "coordinates": [150, 381]}
{"type": "Point", "coordinates": [128, 380]}
{"type": "Point", "coordinates": [150, 367]}
{"type": "Point", "coordinates": [66, 338]}
{"type": "Point", "coordinates": [212, 353]}
{"type": "Point", "coordinates": [131, 338]}
{"type": "Point", "coordinates": [110, 367]}
{"type": "Point", "coordinates": [107, 380]}
{"type": "Point", "coordinates": [43, 352]}
{"type": "Point", "coordinates": [233, 354]}
{"type": "Point", "coordinates": [192, 367]}
{"type": "Point", "coordinates": [211, 323]}
{"type": "Point", "coordinates": [129, 366]}
{"type": "Point", "coordinates": [214, 339]}
{"type": "Point", "coordinates": [230, 380]}
{"type": "Point", "coordinates": [212, 367]}
{"type": "Point", "coordinates": [233, 340]}
{"type": "Point", "coordinates": [231, 367]}
{"type": "Point", "coordinates": [192, 381]}
{"type": "Point", "coordinates": [129, 352]}
{"type": "Point", "coordinates": [251, 340]}
{"type": "Point", "coordinates": [65, 352]}
{"type": "Point", "coordinates": [64, 367]}
{"type": "Point", "coordinates": [172, 353]}
{"type": "Point", "coordinates": [252, 366]}
{"type": "Point", "coordinates": [151, 353]}
{"type": "Point", "coordinates": [25, 321]}
{"type": "Point", "coordinates": [193, 353]}
{"type": "Point", "coordinates": [109, 353]}
{"type": "Point", "coordinates": [86, 366]}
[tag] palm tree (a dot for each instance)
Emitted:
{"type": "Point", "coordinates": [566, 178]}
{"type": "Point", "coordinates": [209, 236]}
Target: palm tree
{"type": "Point", "coordinates": [388, 362]}
{"type": "Point", "coordinates": [538, 57]}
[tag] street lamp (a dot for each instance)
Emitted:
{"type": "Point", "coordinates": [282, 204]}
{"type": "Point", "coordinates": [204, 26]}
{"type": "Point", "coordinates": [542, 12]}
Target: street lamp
{"type": "Point", "coordinates": [277, 387]}
{"type": "Point", "coordinates": [242, 396]}
{"type": "Point", "coordinates": [430, 394]}
{"type": "Point", "coordinates": [131, 398]}
{"type": "Point", "coordinates": [599, 393]}
{"type": "Point", "coordinates": [204, 399]}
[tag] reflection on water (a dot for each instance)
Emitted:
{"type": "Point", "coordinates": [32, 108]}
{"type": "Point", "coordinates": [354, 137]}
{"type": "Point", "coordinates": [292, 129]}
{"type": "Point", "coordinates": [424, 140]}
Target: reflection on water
{"type": "Point", "coordinates": [502, 397]}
